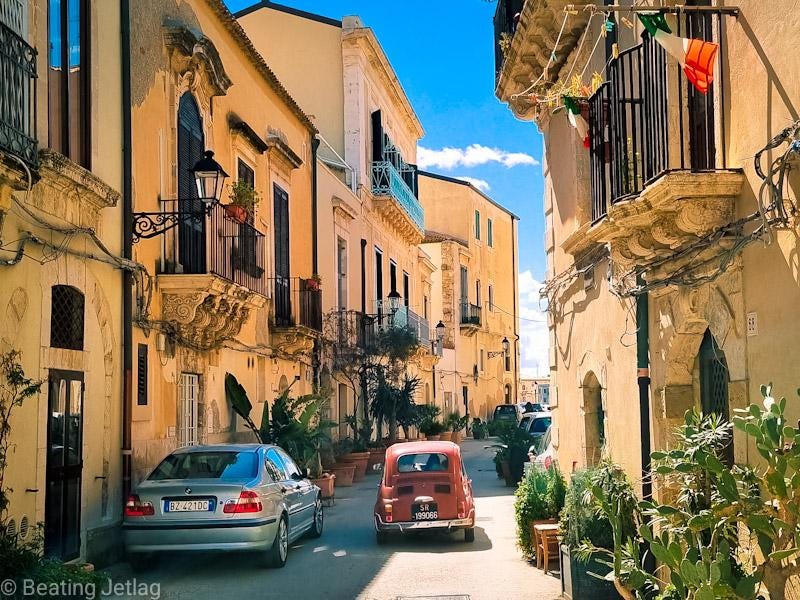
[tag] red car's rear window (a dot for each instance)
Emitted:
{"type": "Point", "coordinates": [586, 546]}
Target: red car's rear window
{"type": "Point", "coordinates": [423, 462]}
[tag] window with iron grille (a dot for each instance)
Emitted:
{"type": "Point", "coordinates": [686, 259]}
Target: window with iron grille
{"type": "Point", "coordinates": [66, 318]}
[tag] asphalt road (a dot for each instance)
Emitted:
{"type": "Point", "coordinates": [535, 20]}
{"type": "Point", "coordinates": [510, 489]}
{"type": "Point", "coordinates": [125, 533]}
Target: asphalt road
{"type": "Point", "coordinates": [347, 564]}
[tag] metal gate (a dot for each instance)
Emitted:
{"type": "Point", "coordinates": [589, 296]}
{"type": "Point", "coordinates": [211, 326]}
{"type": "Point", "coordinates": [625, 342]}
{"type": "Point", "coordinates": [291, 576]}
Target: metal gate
{"type": "Point", "coordinates": [714, 384]}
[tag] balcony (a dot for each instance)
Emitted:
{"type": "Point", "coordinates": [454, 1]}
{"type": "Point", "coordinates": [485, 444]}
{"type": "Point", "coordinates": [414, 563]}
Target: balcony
{"type": "Point", "coordinates": [658, 164]}
{"type": "Point", "coordinates": [395, 200]}
{"type": "Point", "coordinates": [216, 278]}
{"type": "Point", "coordinates": [296, 319]}
{"type": "Point", "coordinates": [351, 334]}
{"type": "Point", "coordinates": [470, 320]}
{"type": "Point", "coordinates": [504, 27]}
{"type": "Point", "coordinates": [17, 107]}
{"type": "Point", "coordinates": [403, 318]}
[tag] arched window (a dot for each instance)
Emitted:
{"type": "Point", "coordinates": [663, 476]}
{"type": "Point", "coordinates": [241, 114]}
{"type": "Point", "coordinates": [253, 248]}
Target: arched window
{"type": "Point", "coordinates": [66, 317]}
{"type": "Point", "coordinates": [508, 394]}
{"type": "Point", "coordinates": [714, 383]}
{"type": "Point", "coordinates": [191, 144]}
{"type": "Point", "coordinates": [594, 420]}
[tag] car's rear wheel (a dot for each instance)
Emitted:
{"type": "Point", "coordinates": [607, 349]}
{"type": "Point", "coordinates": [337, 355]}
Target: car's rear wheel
{"type": "Point", "coordinates": [278, 553]}
{"type": "Point", "coordinates": [319, 520]}
{"type": "Point", "coordinates": [381, 537]}
{"type": "Point", "coordinates": [139, 562]}
{"type": "Point", "coordinates": [469, 535]}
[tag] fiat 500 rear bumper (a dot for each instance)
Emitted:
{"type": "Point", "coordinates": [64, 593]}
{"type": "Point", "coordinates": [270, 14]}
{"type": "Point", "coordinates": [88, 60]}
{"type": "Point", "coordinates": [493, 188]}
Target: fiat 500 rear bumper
{"type": "Point", "coordinates": [445, 524]}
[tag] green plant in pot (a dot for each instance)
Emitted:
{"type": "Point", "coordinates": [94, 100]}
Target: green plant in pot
{"type": "Point", "coordinates": [511, 453]}
{"type": "Point", "coordinates": [432, 429]}
{"type": "Point", "coordinates": [479, 429]}
{"type": "Point", "coordinates": [243, 200]}
{"type": "Point", "coordinates": [580, 524]}
{"type": "Point", "coordinates": [539, 498]}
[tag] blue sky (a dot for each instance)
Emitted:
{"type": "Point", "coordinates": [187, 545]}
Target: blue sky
{"type": "Point", "coordinates": [443, 53]}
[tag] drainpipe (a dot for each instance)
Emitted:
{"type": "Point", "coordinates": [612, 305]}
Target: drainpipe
{"type": "Point", "coordinates": [127, 251]}
{"type": "Point", "coordinates": [643, 378]}
{"type": "Point", "coordinates": [314, 224]}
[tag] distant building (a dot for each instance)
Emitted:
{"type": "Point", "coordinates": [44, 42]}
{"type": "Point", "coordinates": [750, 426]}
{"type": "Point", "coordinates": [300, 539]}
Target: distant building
{"type": "Point", "coordinates": [536, 390]}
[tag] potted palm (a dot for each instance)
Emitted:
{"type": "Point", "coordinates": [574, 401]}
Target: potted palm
{"type": "Point", "coordinates": [432, 429]}
{"type": "Point", "coordinates": [580, 522]}
{"type": "Point", "coordinates": [478, 429]}
{"type": "Point", "coordinates": [243, 200]}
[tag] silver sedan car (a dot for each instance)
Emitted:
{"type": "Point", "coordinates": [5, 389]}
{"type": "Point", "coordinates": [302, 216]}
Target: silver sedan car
{"type": "Point", "coordinates": [243, 497]}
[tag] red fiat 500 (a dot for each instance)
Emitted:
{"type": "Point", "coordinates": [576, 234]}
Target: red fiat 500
{"type": "Point", "coordinates": [424, 486]}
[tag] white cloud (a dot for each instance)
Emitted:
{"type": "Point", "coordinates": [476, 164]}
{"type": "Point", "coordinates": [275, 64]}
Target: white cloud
{"type": "Point", "coordinates": [473, 155]}
{"type": "Point", "coordinates": [481, 184]}
{"type": "Point", "coordinates": [534, 338]}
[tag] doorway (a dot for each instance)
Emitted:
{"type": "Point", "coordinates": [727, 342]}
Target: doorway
{"type": "Point", "coordinates": [62, 519]}
{"type": "Point", "coordinates": [191, 145]}
{"type": "Point", "coordinates": [714, 385]}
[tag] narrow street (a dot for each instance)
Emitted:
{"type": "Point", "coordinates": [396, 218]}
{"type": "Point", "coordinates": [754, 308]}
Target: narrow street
{"type": "Point", "coordinates": [346, 563]}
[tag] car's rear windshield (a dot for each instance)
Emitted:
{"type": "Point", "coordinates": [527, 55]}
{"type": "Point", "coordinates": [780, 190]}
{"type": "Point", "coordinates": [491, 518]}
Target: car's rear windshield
{"type": "Point", "coordinates": [509, 409]}
{"type": "Point", "coordinates": [540, 425]}
{"type": "Point", "coordinates": [207, 465]}
{"type": "Point", "coordinates": [422, 462]}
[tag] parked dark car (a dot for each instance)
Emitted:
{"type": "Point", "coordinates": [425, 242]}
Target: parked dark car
{"type": "Point", "coordinates": [506, 412]}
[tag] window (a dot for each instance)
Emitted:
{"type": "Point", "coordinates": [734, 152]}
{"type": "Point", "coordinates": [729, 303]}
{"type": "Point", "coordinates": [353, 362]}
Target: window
{"type": "Point", "coordinates": [66, 318]}
{"type": "Point", "coordinates": [191, 143]}
{"type": "Point", "coordinates": [406, 290]}
{"type": "Point", "coordinates": [378, 274]}
{"type": "Point", "coordinates": [491, 298]}
{"type": "Point", "coordinates": [422, 463]}
{"type": "Point", "coordinates": [274, 466]}
{"type": "Point", "coordinates": [341, 273]}
{"type": "Point", "coordinates": [478, 292]}
{"type": "Point", "coordinates": [245, 174]}
{"type": "Point", "coordinates": [425, 307]}
{"type": "Point", "coordinates": [207, 465]}
{"type": "Point", "coordinates": [489, 233]}
{"type": "Point", "coordinates": [67, 79]}
{"type": "Point", "coordinates": [191, 410]}
{"type": "Point", "coordinates": [141, 375]}
{"type": "Point", "coordinates": [477, 225]}
{"type": "Point", "coordinates": [392, 276]}
{"type": "Point", "coordinates": [288, 465]}
{"type": "Point", "coordinates": [464, 279]}
{"type": "Point", "coordinates": [507, 359]}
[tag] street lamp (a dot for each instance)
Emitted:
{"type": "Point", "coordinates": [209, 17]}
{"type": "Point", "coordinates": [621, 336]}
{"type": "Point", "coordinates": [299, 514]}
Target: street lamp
{"type": "Point", "coordinates": [439, 337]}
{"type": "Point", "coordinates": [503, 352]}
{"type": "Point", "coordinates": [394, 301]}
{"type": "Point", "coordinates": [209, 177]}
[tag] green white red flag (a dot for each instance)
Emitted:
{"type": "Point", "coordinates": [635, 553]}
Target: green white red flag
{"type": "Point", "coordinates": [695, 56]}
{"type": "Point", "coordinates": [576, 119]}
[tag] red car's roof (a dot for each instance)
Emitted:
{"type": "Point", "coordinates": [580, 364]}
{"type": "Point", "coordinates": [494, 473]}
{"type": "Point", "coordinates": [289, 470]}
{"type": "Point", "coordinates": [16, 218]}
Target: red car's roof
{"type": "Point", "coordinates": [421, 447]}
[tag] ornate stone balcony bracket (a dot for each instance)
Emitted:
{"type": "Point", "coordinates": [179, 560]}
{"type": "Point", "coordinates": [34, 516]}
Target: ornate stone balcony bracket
{"type": "Point", "coordinates": [205, 310]}
{"type": "Point", "coordinates": [290, 342]}
{"type": "Point", "coordinates": [670, 214]}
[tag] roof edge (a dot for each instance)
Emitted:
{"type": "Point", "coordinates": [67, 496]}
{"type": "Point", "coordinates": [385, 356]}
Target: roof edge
{"type": "Point", "coordinates": [289, 11]}
{"type": "Point", "coordinates": [468, 184]}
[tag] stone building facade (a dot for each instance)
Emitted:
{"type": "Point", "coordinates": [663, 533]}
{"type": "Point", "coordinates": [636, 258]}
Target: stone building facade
{"type": "Point", "coordinates": [664, 217]}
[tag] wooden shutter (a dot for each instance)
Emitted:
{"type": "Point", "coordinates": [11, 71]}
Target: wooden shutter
{"type": "Point", "coordinates": [281, 227]}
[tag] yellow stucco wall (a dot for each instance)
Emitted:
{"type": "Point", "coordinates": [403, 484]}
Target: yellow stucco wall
{"type": "Point", "coordinates": [25, 293]}
{"type": "Point", "coordinates": [450, 214]}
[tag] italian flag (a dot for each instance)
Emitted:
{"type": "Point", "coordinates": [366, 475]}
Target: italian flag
{"type": "Point", "coordinates": [695, 56]}
{"type": "Point", "coordinates": [576, 119]}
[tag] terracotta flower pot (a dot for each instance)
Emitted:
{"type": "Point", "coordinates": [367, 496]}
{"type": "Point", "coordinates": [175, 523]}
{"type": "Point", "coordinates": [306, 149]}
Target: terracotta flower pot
{"type": "Point", "coordinates": [325, 484]}
{"type": "Point", "coordinates": [376, 457]}
{"type": "Point", "coordinates": [237, 213]}
{"type": "Point", "coordinates": [360, 460]}
{"type": "Point", "coordinates": [344, 473]}
{"type": "Point", "coordinates": [455, 437]}
{"type": "Point", "coordinates": [446, 436]}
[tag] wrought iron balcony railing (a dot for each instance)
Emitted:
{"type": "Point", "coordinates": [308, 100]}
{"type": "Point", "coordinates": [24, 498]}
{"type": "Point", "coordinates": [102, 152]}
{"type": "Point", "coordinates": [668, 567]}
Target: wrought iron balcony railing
{"type": "Point", "coordinates": [17, 97]}
{"type": "Point", "coordinates": [470, 314]}
{"type": "Point", "coordinates": [403, 318]}
{"type": "Point", "coordinates": [214, 243]}
{"type": "Point", "coordinates": [296, 302]}
{"type": "Point", "coordinates": [352, 332]}
{"type": "Point", "coordinates": [387, 181]}
{"type": "Point", "coordinates": [504, 26]}
{"type": "Point", "coordinates": [647, 119]}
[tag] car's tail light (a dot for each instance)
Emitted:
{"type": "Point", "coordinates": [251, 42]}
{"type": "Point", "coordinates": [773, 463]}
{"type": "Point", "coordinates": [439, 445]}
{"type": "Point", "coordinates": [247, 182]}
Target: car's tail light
{"type": "Point", "coordinates": [247, 502]}
{"type": "Point", "coordinates": [136, 508]}
{"type": "Point", "coordinates": [387, 511]}
{"type": "Point", "coordinates": [462, 510]}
